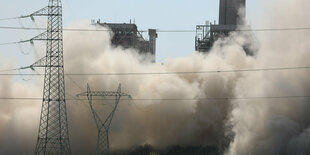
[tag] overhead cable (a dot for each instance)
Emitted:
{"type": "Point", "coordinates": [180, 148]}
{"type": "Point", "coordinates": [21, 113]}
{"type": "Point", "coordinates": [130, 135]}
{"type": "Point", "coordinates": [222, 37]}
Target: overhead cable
{"type": "Point", "coordinates": [173, 99]}
{"type": "Point", "coordinates": [2, 19]}
{"type": "Point", "coordinates": [160, 30]}
{"type": "Point", "coordinates": [163, 73]}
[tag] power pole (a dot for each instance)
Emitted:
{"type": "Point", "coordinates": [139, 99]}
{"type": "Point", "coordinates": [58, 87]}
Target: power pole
{"type": "Point", "coordinates": [103, 127]}
{"type": "Point", "coordinates": [53, 136]}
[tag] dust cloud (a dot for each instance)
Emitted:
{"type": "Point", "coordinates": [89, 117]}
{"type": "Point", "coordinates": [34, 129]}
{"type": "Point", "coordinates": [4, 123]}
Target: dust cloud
{"type": "Point", "coordinates": [278, 126]}
{"type": "Point", "coordinates": [259, 126]}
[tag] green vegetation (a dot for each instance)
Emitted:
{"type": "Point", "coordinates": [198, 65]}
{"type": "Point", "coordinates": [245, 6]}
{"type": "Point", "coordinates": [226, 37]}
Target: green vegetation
{"type": "Point", "coordinates": [172, 150]}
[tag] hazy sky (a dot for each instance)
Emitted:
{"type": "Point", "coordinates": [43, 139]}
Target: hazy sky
{"type": "Point", "coordinates": [158, 14]}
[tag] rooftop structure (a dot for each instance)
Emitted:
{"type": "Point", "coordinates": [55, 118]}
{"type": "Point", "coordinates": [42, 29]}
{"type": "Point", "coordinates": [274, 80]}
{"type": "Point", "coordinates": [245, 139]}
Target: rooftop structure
{"type": "Point", "coordinates": [127, 36]}
{"type": "Point", "coordinates": [229, 20]}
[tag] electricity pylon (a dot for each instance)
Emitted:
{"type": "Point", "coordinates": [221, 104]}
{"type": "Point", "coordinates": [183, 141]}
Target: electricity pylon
{"type": "Point", "coordinates": [103, 127]}
{"type": "Point", "coordinates": [53, 136]}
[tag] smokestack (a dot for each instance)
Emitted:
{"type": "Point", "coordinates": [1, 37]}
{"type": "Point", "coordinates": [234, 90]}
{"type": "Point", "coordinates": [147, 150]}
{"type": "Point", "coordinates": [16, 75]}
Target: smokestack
{"type": "Point", "coordinates": [152, 36]}
{"type": "Point", "coordinates": [229, 11]}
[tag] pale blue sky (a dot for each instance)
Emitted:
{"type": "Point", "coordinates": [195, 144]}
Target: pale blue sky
{"type": "Point", "coordinates": [158, 14]}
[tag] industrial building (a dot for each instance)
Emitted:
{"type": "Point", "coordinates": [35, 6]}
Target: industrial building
{"type": "Point", "coordinates": [229, 20]}
{"type": "Point", "coordinates": [127, 36]}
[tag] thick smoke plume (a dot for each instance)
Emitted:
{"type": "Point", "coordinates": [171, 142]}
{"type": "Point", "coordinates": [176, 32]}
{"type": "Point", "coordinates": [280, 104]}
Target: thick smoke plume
{"type": "Point", "coordinates": [17, 118]}
{"type": "Point", "coordinates": [159, 123]}
{"type": "Point", "coordinates": [278, 126]}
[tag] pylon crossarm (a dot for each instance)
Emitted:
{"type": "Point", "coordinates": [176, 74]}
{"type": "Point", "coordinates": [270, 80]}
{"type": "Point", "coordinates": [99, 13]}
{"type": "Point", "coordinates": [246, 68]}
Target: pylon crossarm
{"type": "Point", "coordinates": [39, 64]}
{"type": "Point", "coordinates": [41, 12]}
{"type": "Point", "coordinates": [43, 37]}
{"type": "Point", "coordinates": [108, 121]}
{"type": "Point", "coordinates": [103, 93]}
{"type": "Point", "coordinates": [44, 12]}
{"type": "Point", "coordinates": [40, 37]}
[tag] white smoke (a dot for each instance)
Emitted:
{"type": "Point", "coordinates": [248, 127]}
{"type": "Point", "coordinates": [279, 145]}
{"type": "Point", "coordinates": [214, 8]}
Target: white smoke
{"type": "Point", "coordinates": [279, 126]}
{"type": "Point", "coordinates": [248, 126]}
{"type": "Point", "coordinates": [17, 118]}
{"type": "Point", "coordinates": [159, 123]}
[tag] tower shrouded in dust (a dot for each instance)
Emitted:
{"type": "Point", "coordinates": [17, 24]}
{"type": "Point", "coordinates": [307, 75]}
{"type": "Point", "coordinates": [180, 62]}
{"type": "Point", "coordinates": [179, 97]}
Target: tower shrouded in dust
{"type": "Point", "coordinates": [231, 16]}
{"type": "Point", "coordinates": [229, 12]}
{"type": "Point", "coordinates": [53, 136]}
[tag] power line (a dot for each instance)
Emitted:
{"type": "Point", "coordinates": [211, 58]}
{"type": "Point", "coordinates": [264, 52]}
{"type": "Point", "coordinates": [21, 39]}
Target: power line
{"type": "Point", "coordinates": [75, 83]}
{"type": "Point", "coordinates": [164, 73]}
{"type": "Point", "coordinates": [67, 29]}
{"type": "Point", "coordinates": [240, 30]}
{"type": "Point", "coordinates": [8, 70]}
{"type": "Point", "coordinates": [10, 18]}
{"type": "Point", "coordinates": [160, 30]}
{"type": "Point", "coordinates": [10, 43]}
{"type": "Point", "coordinates": [173, 99]}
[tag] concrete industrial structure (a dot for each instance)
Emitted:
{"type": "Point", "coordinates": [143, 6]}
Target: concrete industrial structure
{"type": "Point", "coordinates": [229, 20]}
{"type": "Point", "coordinates": [127, 36]}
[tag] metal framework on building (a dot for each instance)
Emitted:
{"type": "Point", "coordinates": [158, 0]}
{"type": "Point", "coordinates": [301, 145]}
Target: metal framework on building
{"type": "Point", "coordinates": [127, 35]}
{"type": "Point", "coordinates": [229, 18]}
{"type": "Point", "coordinates": [207, 34]}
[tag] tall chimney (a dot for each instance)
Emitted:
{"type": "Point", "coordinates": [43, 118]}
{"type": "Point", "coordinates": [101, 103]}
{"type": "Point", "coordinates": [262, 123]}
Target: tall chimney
{"type": "Point", "coordinates": [229, 10]}
{"type": "Point", "coordinates": [152, 39]}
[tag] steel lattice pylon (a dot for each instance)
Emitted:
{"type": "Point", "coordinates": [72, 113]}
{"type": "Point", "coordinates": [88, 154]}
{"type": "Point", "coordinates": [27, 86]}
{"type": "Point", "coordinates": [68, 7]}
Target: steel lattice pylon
{"type": "Point", "coordinates": [103, 127]}
{"type": "Point", "coordinates": [53, 136]}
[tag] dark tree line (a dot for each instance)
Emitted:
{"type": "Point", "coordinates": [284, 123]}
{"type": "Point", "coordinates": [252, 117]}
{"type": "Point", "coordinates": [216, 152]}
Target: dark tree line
{"type": "Point", "coordinates": [172, 150]}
